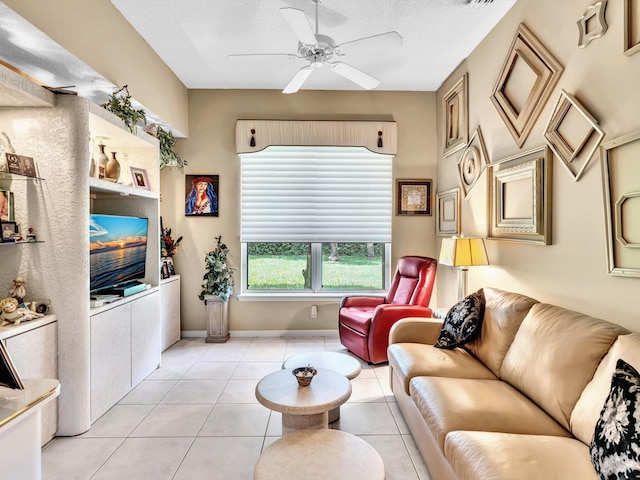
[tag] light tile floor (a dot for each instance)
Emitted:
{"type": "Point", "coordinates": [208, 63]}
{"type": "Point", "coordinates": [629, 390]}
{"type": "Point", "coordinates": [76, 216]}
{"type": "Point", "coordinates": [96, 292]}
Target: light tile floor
{"type": "Point", "coordinates": [197, 417]}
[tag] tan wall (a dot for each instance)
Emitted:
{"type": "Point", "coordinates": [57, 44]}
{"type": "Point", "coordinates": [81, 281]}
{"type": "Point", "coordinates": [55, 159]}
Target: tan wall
{"type": "Point", "coordinates": [96, 33]}
{"type": "Point", "coordinates": [572, 272]}
{"type": "Point", "coordinates": [210, 149]}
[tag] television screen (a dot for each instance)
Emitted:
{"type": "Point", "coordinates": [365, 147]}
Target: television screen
{"type": "Point", "coordinates": [118, 250]}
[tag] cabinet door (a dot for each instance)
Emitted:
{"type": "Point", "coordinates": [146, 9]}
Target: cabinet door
{"type": "Point", "coordinates": [170, 312]}
{"type": "Point", "coordinates": [110, 358]}
{"type": "Point", "coordinates": [35, 355]}
{"type": "Point", "coordinates": [145, 336]}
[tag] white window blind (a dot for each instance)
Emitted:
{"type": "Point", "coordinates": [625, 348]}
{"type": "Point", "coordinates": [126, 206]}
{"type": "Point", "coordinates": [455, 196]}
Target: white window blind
{"type": "Point", "coordinates": [316, 194]}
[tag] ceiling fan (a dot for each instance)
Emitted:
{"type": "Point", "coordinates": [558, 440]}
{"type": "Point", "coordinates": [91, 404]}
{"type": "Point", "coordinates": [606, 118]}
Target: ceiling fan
{"type": "Point", "coordinates": [320, 50]}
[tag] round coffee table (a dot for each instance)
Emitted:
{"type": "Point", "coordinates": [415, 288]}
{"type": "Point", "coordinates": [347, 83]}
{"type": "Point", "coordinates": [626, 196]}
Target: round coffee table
{"type": "Point", "coordinates": [319, 455]}
{"type": "Point", "coordinates": [303, 407]}
{"type": "Point", "coordinates": [338, 362]}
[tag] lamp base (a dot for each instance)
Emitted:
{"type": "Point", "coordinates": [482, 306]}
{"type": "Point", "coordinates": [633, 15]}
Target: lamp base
{"type": "Point", "coordinates": [462, 282]}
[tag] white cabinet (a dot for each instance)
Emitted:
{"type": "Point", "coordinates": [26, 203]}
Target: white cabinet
{"type": "Point", "coordinates": [145, 336]}
{"type": "Point", "coordinates": [33, 347]}
{"type": "Point", "coordinates": [169, 311]}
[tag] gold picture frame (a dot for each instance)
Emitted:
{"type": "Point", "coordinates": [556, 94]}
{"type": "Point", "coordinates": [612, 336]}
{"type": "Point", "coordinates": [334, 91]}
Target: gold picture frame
{"type": "Point", "coordinates": [592, 23]}
{"type": "Point", "coordinates": [621, 187]}
{"type": "Point", "coordinates": [472, 164]}
{"type": "Point", "coordinates": [519, 203]}
{"type": "Point", "coordinates": [573, 134]}
{"type": "Point", "coordinates": [414, 197]}
{"type": "Point", "coordinates": [455, 109]}
{"type": "Point", "coordinates": [631, 27]}
{"type": "Point", "coordinates": [528, 76]}
{"type": "Point", "coordinates": [448, 213]}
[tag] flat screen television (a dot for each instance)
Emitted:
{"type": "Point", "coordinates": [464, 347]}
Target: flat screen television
{"type": "Point", "coordinates": [118, 250]}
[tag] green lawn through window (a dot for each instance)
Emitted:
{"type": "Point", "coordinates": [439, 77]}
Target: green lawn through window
{"type": "Point", "coordinates": [356, 272]}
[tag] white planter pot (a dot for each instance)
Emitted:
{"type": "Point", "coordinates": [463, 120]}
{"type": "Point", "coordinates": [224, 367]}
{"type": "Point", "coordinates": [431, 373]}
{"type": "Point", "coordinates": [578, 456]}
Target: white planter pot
{"type": "Point", "coordinates": [218, 319]}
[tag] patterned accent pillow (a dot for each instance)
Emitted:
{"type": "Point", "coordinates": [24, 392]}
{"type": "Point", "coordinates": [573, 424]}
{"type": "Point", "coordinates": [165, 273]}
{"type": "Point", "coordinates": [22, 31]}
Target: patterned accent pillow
{"type": "Point", "coordinates": [463, 322]}
{"type": "Point", "coordinates": [615, 447]}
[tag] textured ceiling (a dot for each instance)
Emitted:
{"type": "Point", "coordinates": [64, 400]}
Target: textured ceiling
{"type": "Point", "coordinates": [194, 38]}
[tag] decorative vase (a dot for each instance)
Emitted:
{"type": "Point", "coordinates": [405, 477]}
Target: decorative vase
{"type": "Point", "coordinates": [113, 168]}
{"type": "Point", "coordinates": [101, 163]}
{"type": "Point", "coordinates": [217, 322]}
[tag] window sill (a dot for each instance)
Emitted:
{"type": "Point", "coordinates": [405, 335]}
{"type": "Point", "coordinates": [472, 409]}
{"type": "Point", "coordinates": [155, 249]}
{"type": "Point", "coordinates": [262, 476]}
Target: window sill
{"type": "Point", "coordinates": [302, 297]}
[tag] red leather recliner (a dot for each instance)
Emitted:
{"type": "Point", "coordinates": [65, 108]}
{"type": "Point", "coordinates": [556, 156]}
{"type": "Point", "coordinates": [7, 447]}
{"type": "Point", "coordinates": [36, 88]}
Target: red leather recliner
{"type": "Point", "coordinates": [364, 322]}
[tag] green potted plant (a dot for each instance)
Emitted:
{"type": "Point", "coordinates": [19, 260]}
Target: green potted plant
{"type": "Point", "coordinates": [168, 158]}
{"type": "Point", "coordinates": [216, 291]}
{"type": "Point", "coordinates": [119, 103]}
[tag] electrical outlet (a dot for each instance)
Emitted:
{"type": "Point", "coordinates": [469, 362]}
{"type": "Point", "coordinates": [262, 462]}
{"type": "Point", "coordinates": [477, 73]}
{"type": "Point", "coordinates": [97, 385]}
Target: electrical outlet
{"type": "Point", "coordinates": [314, 311]}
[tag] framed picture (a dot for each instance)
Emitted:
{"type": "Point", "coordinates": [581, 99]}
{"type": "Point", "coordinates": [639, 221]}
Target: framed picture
{"type": "Point", "coordinates": [6, 206]}
{"type": "Point", "coordinates": [520, 197]}
{"type": "Point", "coordinates": [9, 230]}
{"type": "Point", "coordinates": [201, 192]}
{"type": "Point", "coordinates": [631, 27]}
{"type": "Point", "coordinates": [448, 213]}
{"type": "Point", "coordinates": [573, 134]}
{"type": "Point", "coordinates": [140, 178]}
{"type": "Point", "coordinates": [621, 186]}
{"type": "Point", "coordinates": [528, 76]}
{"type": "Point", "coordinates": [414, 197]}
{"type": "Point", "coordinates": [13, 163]}
{"type": "Point", "coordinates": [473, 163]}
{"type": "Point", "coordinates": [455, 108]}
{"type": "Point", "coordinates": [592, 23]}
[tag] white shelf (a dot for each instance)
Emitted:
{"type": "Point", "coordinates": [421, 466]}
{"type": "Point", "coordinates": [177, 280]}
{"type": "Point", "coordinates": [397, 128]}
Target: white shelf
{"type": "Point", "coordinates": [105, 187]}
{"type": "Point", "coordinates": [18, 91]}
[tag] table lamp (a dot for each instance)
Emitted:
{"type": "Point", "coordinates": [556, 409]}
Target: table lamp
{"type": "Point", "coordinates": [463, 252]}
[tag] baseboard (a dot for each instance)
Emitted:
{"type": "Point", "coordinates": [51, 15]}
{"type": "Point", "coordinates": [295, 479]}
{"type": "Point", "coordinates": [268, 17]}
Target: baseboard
{"type": "Point", "coordinates": [265, 333]}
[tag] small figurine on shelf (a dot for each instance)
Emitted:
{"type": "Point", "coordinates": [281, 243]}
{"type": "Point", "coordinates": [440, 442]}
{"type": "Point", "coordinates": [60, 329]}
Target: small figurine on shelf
{"type": "Point", "coordinates": [18, 291]}
{"type": "Point", "coordinates": [31, 234]}
{"type": "Point", "coordinates": [10, 312]}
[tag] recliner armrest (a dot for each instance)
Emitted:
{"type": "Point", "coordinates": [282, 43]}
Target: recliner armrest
{"type": "Point", "coordinates": [361, 301]}
{"type": "Point", "coordinates": [416, 330]}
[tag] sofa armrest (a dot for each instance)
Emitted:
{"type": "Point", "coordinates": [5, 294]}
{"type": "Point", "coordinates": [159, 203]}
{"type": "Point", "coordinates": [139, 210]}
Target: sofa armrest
{"type": "Point", "coordinates": [355, 301]}
{"type": "Point", "coordinates": [416, 330]}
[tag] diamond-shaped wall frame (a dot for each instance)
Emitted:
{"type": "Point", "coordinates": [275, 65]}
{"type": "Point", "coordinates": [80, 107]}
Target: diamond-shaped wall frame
{"type": "Point", "coordinates": [592, 24]}
{"type": "Point", "coordinates": [519, 106]}
{"type": "Point", "coordinates": [573, 134]}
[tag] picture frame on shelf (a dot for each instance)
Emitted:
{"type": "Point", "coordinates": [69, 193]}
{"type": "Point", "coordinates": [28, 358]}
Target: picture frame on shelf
{"type": "Point", "coordinates": [13, 163]}
{"type": "Point", "coordinates": [455, 107]}
{"type": "Point", "coordinates": [573, 134]}
{"type": "Point", "coordinates": [526, 80]}
{"type": "Point", "coordinates": [448, 213]}
{"type": "Point", "coordinates": [9, 230]}
{"type": "Point", "coordinates": [414, 197]}
{"type": "Point", "coordinates": [21, 165]}
{"type": "Point", "coordinates": [631, 27]}
{"type": "Point", "coordinates": [201, 195]}
{"type": "Point", "coordinates": [9, 376]}
{"type": "Point", "coordinates": [592, 23]}
{"type": "Point", "coordinates": [140, 178]}
{"type": "Point", "coordinates": [520, 197]}
{"type": "Point", "coordinates": [621, 189]}
{"type": "Point", "coordinates": [473, 163]}
{"type": "Point", "coordinates": [7, 210]}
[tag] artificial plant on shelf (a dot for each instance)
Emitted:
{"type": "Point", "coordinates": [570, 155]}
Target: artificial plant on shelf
{"type": "Point", "coordinates": [119, 103]}
{"type": "Point", "coordinates": [218, 281]}
{"type": "Point", "coordinates": [168, 157]}
{"type": "Point", "coordinates": [168, 245]}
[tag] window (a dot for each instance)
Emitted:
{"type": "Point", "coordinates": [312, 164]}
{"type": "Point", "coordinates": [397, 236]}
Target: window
{"type": "Point", "coordinates": [315, 220]}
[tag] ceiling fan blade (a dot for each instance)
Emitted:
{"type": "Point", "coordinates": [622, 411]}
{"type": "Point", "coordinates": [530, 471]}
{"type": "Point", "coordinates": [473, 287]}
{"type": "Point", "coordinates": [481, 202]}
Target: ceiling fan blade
{"type": "Point", "coordinates": [298, 22]}
{"type": "Point", "coordinates": [298, 79]}
{"type": "Point", "coordinates": [375, 42]}
{"type": "Point", "coordinates": [365, 80]}
{"type": "Point", "coordinates": [241, 56]}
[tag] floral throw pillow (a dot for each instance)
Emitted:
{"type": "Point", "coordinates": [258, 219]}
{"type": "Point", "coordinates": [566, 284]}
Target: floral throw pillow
{"type": "Point", "coordinates": [463, 322]}
{"type": "Point", "coordinates": [615, 447]}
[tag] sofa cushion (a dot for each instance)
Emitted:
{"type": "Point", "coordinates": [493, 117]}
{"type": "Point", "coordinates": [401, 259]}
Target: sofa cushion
{"type": "Point", "coordinates": [409, 360]}
{"type": "Point", "coordinates": [554, 355]}
{"type": "Point", "coordinates": [503, 313]}
{"type": "Point", "coordinates": [587, 409]}
{"type": "Point", "coordinates": [463, 322]}
{"type": "Point", "coordinates": [501, 456]}
{"type": "Point", "coordinates": [450, 404]}
{"type": "Point", "coordinates": [615, 448]}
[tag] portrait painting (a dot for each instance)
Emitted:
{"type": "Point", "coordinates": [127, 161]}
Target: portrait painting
{"type": "Point", "coordinates": [201, 193]}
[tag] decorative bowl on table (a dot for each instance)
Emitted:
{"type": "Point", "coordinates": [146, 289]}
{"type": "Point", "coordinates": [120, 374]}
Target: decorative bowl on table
{"type": "Point", "coordinates": [304, 375]}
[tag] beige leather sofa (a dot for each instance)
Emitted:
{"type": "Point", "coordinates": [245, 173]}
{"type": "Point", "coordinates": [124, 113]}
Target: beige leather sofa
{"type": "Point", "coordinates": [523, 405]}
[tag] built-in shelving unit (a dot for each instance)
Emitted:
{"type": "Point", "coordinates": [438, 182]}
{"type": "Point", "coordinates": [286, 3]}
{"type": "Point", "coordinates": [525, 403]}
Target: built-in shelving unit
{"type": "Point", "coordinates": [59, 132]}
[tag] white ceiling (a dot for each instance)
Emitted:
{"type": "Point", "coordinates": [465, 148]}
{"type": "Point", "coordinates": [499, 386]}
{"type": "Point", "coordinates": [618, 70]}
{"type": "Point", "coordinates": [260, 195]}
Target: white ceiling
{"type": "Point", "coordinates": [194, 38]}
